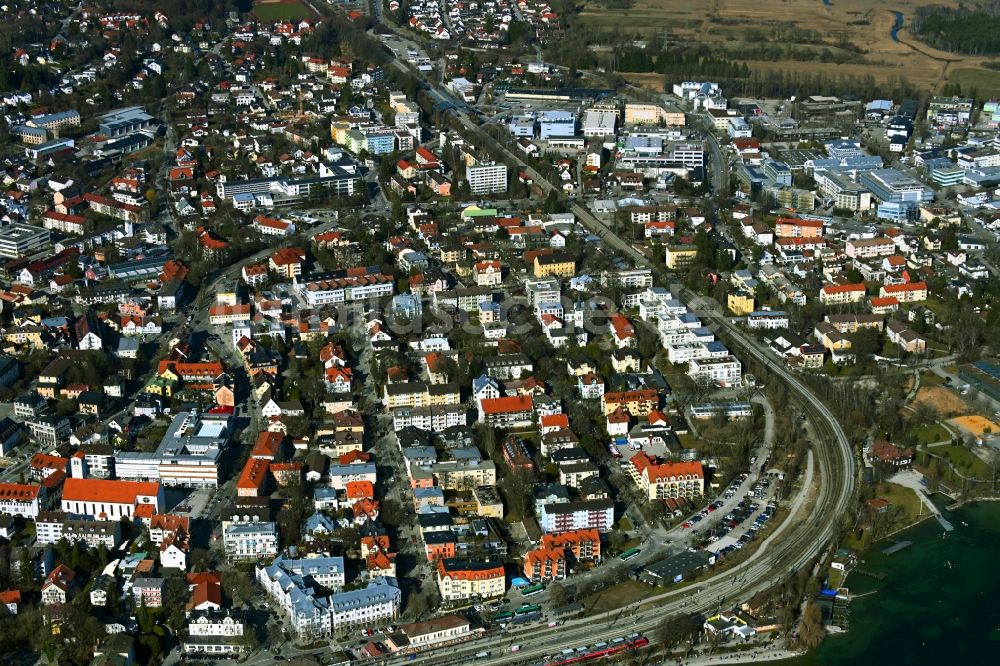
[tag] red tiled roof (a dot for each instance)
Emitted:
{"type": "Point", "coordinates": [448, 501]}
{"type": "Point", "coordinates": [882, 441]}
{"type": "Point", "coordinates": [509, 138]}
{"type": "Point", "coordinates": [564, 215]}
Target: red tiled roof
{"type": "Point", "coordinates": [170, 523]}
{"type": "Point", "coordinates": [842, 288]}
{"type": "Point", "coordinates": [254, 474]}
{"type": "Point", "coordinates": [107, 490]}
{"type": "Point", "coordinates": [641, 395]}
{"type": "Point", "coordinates": [268, 444]}
{"type": "Point", "coordinates": [901, 288]}
{"type": "Point", "coordinates": [555, 421]}
{"type": "Point", "coordinates": [661, 471]}
{"type": "Point", "coordinates": [20, 492]}
{"type": "Point", "coordinates": [207, 588]}
{"type": "Point", "coordinates": [359, 490]}
{"type": "Point", "coordinates": [813, 224]}
{"type": "Point", "coordinates": [517, 403]}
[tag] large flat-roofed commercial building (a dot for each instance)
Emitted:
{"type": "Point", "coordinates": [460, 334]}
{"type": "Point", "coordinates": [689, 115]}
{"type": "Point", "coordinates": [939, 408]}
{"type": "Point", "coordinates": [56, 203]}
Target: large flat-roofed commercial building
{"type": "Point", "coordinates": [599, 123]}
{"type": "Point", "coordinates": [899, 195]}
{"type": "Point", "coordinates": [652, 114]}
{"type": "Point", "coordinates": [845, 193]}
{"type": "Point", "coordinates": [124, 121]}
{"type": "Point", "coordinates": [188, 455]}
{"type": "Point", "coordinates": [487, 179]}
{"type": "Point", "coordinates": [21, 240]}
{"type": "Point", "coordinates": [556, 124]}
{"type": "Point", "coordinates": [338, 178]}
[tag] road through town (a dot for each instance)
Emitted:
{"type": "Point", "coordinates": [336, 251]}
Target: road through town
{"type": "Point", "coordinates": [802, 537]}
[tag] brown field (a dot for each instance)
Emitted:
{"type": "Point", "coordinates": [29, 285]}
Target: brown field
{"type": "Point", "coordinates": [650, 80]}
{"type": "Point", "coordinates": [943, 400]}
{"type": "Point", "coordinates": [882, 58]}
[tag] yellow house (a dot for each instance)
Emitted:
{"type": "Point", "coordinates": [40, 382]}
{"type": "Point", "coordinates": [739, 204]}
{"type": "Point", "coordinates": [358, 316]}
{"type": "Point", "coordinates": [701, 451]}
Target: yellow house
{"type": "Point", "coordinates": [680, 256]}
{"type": "Point", "coordinates": [406, 394]}
{"type": "Point", "coordinates": [452, 255]}
{"type": "Point", "coordinates": [168, 374]}
{"type": "Point", "coordinates": [160, 386]}
{"type": "Point", "coordinates": [557, 264]}
{"type": "Point", "coordinates": [21, 335]}
{"type": "Point", "coordinates": [740, 303]}
{"type": "Point", "coordinates": [488, 503]}
{"type": "Point", "coordinates": [443, 394]}
{"type": "Point", "coordinates": [830, 337]}
{"type": "Point", "coordinates": [338, 131]}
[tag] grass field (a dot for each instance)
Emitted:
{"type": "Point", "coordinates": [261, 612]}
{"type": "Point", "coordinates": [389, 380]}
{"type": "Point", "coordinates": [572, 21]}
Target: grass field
{"type": "Point", "coordinates": [279, 10]}
{"type": "Point", "coordinates": [738, 23]}
{"type": "Point", "coordinates": [986, 82]}
{"type": "Point", "coordinates": [931, 434]}
{"type": "Point", "coordinates": [964, 460]}
{"type": "Point", "coordinates": [616, 596]}
{"type": "Point", "coordinates": [900, 496]}
{"type": "Point", "coordinates": [930, 379]}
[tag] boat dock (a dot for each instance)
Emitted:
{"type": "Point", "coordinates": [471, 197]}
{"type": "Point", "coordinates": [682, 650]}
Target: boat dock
{"type": "Point", "coordinates": [870, 574]}
{"type": "Point", "coordinates": [896, 547]}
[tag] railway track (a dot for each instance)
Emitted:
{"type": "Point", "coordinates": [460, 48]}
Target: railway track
{"type": "Point", "coordinates": [771, 563]}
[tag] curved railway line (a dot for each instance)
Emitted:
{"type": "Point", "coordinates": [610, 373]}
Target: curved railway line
{"type": "Point", "coordinates": [778, 556]}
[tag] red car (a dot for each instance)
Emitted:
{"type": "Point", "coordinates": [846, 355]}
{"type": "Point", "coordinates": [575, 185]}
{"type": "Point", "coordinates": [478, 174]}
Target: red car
{"type": "Point", "coordinates": [685, 525]}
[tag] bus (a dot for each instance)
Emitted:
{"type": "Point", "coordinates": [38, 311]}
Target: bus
{"type": "Point", "coordinates": [504, 616]}
{"type": "Point", "coordinates": [527, 610]}
{"type": "Point", "coordinates": [534, 589]}
{"type": "Point", "coordinates": [629, 554]}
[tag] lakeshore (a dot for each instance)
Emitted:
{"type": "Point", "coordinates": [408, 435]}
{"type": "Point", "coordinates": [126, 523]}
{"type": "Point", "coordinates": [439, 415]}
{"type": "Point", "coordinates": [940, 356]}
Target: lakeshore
{"type": "Point", "coordinates": [935, 603]}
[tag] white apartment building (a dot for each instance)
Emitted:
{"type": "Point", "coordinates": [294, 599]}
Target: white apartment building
{"type": "Point", "coordinates": [723, 371]}
{"type": "Point", "coordinates": [250, 541]}
{"type": "Point", "coordinates": [327, 571]}
{"type": "Point", "coordinates": [341, 475]}
{"type": "Point", "coordinates": [487, 179]}
{"type": "Point", "coordinates": [688, 351]}
{"type": "Point", "coordinates": [52, 526]}
{"type": "Point", "coordinates": [869, 248]}
{"type": "Point", "coordinates": [322, 291]}
{"type": "Point", "coordinates": [315, 616]}
{"type": "Point", "coordinates": [18, 499]}
{"type": "Point", "coordinates": [767, 320]}
{"type": "Point", "coordinates": [215, 633]}
{"type": "Point", "coordinates": [596, 514]}
{"type": "Point", "coordinates": [376, 603]}
{"type": "Point", "coordinates": [433, 418]}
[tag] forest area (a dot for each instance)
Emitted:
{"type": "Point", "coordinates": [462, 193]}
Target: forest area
{"type": "Point", "coordinates": [971, 30]}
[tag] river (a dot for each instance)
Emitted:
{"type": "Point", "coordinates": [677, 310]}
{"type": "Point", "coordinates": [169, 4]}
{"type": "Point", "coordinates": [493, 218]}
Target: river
{"type": "Point", "coordinates": [897, 26]}
{"type": "Point", "coordinates": [937, 605]}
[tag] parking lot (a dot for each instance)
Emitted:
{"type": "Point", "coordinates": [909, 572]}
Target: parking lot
{"type": "Point", "coordinates": [746, 520]}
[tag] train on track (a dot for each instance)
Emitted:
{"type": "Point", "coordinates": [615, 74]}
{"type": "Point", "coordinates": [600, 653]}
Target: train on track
{"type": "Point", "coordinates": [602, 650]}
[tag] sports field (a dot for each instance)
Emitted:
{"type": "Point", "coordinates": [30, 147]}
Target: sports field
{"type": "Point", "coordinates": [858, 32]}
{"type": "Point", "coordinates": [282, 10]}
{"type": "Point", "coordinates": [976, 425]}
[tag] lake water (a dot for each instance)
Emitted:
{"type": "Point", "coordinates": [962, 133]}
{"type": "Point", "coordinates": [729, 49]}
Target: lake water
{"type": "Point", "coordinates": [927, 611]}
